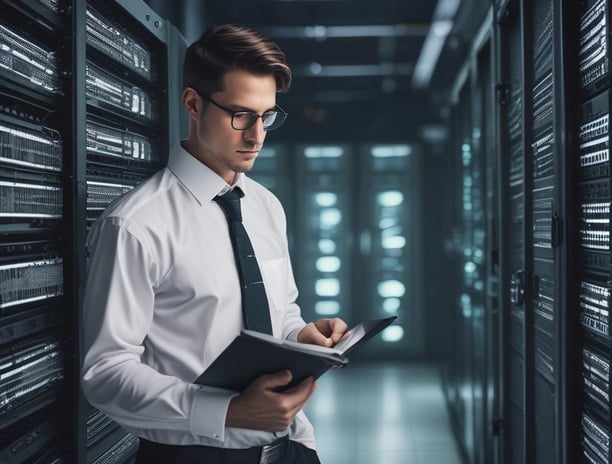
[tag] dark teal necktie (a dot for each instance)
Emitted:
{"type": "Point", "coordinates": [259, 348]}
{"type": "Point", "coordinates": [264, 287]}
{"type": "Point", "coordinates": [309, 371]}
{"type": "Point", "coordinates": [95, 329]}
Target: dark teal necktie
{"type": "Point", "coordinates": [254, 301]}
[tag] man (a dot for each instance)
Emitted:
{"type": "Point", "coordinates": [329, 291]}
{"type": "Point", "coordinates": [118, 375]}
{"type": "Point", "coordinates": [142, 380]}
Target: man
{"type": "Point", "coordinates": [163, 293]}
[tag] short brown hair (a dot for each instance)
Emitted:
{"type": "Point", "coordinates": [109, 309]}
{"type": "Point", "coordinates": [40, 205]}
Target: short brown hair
{"type": "Point", "coordinates": [230, 47]}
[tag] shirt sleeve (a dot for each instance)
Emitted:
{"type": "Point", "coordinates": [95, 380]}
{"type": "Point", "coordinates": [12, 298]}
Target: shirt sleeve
{"type": "Point", "coordinates": [293, 322]}
{"type": "Point", "coordinates": [117, 314]}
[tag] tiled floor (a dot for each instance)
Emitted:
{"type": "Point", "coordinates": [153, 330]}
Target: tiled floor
{"type": "Point", "coordinates": [387, 414]}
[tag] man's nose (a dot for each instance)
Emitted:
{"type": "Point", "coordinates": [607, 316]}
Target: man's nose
{"type": "Point", "coordinates": [256, 133]}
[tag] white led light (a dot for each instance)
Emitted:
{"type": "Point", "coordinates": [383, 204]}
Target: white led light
{"type": "Point", "coordinates": [393, 334]}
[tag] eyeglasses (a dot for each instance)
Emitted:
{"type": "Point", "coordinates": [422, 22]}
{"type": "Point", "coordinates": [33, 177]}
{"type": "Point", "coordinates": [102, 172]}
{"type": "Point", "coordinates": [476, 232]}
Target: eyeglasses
{"type": "Point", "coordinates": [242, 120]}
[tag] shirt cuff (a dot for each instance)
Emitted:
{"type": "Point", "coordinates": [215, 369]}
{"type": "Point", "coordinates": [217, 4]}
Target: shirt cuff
{"type": "Point", "coordinates": [208, 413]}
{"type": "Point", "coordinates": [293, 335]}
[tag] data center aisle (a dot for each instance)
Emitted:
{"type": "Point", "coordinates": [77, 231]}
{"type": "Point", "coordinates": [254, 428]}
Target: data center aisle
{"type": "Point", "coordinates": [382, 414]}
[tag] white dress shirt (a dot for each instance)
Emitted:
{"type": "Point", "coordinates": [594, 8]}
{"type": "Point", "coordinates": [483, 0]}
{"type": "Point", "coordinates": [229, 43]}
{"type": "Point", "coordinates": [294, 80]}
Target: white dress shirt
{"type": "Point", "coordinates": [163, 300]}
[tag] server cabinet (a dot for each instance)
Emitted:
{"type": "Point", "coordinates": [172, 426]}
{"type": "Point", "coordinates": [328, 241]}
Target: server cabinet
{"type": "Point", "coordinates": [514, 220]}
{"type": "Point", "coordinates": [125, 115]}
{"type": "Point", "coordinates": [553, 103]}
{"type": "Point", "coordinates": [324, 256]}
{"type": "Point", "coordinates": [35, 342]}
{"type": "Point", "coordinates": [538, 428]}
{"type": "Point", "coordinates": [543, 193]}
{"type": "Point", "coordinates": [483, 265]}
{"type": "Point", "coordinates": [386, 277]}
{"type": "Point", "coordinates": [487, 433]}
{"type": "Point", "coordinates": [364, 275]}
{"type": "Point", "coordinates": [591, 185]}
{"type": "Point", "coordinates": [84, 99]}
{"type": "Point", "coordinates": [534, 314]}
{"type": "Point", "coordinates": [470, 382]}
{"type": "Point", "coordinates": [461, 366]}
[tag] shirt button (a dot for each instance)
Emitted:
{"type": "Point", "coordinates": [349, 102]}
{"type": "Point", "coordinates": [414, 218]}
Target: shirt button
{"type": "Point", "coordinates": [215, 435]}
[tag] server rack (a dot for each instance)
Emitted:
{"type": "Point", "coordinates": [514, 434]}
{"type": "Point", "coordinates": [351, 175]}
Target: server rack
{"type": "Point", "coordinates": [485, 254]}
{"type": "Point", "coordinates": [473, 357]}
{"type": "Point", "coordinates": [368, 274]}
{"type": "Point", "coordinates": [85, 91]}
{"type": "Point", "coordinates": [514, 220]}
{"type": "Point", "coordinates": [543, 168]}
{"type": "Point", "coordinates": [536, 405]}
{"type": "Point", "coordinates": [487, 434]}
{"type": "Point", "coordinates": [125, 114]}
{"type": "Point", "coordinates": [553, 93]}
{"type": "Point", "coordinates": [325, 253]}
{"type": "Point", "coordinates": [461, 366]}
{"type": "Point", "coordinates": [591, 161]}
{"type": "Point", "coordinates": [34, 339]}
{"type": "Point", "coordinates": [538, 419]}
{"type": "Point", "coordinates": [386, 249]}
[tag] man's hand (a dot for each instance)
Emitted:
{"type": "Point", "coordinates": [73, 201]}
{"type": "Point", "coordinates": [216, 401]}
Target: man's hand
{"type": "Point", "coordinates": [262, 407]}
{"type": "Point", "coordinates": [325, 332]}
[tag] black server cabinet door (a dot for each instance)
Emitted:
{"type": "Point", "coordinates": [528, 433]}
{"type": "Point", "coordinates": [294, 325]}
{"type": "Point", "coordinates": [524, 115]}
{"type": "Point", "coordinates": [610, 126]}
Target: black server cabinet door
{"type": "Point", "coordinates": [512, 233]}
{"type": "Point", "coordinates": [466, 318]}
{"type": "Point", "coordinates": [486, 323]}
{"type": "Point", "coordinates": [544, 194]}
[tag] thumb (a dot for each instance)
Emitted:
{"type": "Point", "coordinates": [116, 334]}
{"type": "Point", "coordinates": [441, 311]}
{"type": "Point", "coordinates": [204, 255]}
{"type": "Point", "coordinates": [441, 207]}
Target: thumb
{"type": "Point", "coordinates": [319, 339]}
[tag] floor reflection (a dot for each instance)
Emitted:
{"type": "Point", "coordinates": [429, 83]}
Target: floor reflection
{"type": "Point", "coordinates": [382, 414]}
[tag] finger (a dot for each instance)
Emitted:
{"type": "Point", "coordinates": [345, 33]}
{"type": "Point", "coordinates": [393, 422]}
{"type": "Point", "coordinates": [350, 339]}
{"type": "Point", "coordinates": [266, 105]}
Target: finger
{"type": "Point", "coordinates": [278, 379]}
{"type": "Point", "coordinates": [302, 390]}
{"type": "Point", "coordinates": [317, 334]}
{"type": "Point", "coordinates": [338, 329]}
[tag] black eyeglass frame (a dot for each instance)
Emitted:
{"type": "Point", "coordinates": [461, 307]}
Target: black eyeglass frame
{"type": "Point", "coordinates": [280, 113]}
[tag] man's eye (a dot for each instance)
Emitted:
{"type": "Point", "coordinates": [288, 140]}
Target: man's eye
{"type": "Point", "coordinates": [243, 115]}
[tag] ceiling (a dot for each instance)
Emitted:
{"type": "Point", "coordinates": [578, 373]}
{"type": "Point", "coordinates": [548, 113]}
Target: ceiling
{"type": "Point", "coordinates": [353, 61]}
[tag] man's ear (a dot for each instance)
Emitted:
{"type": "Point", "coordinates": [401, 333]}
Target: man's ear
{"type": "Point", "coordinates": [190, 102]}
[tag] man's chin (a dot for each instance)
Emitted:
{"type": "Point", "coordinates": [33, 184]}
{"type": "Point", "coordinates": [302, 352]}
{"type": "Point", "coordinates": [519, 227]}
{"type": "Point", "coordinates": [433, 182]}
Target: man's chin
{"type": "Point", "coordinates": [243, 167]}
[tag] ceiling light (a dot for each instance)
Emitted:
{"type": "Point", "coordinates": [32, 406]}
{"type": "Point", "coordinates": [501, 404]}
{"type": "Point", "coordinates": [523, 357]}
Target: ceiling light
{"type": "Point", "coordinates": [350, 70]}
{"type": "Point", "coordinates": [441, 26]}
{"type": "Point", "coordinates": [315, 32]}
{"type": "Point", "coordinates": [322, 32]}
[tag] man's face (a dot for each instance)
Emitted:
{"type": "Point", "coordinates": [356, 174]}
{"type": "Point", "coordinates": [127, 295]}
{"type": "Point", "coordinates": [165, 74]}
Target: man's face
{"type": "Point", "coordinates": [213, 140]}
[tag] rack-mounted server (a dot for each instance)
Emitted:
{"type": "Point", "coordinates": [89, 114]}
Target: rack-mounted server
{"type": "Point", "coordinates": [593, 52]}
{"type": "Point", "coordinates": [26, 61]}
{"type": "Point", "coordinates": [596, 379]}
{"type": "Point", "coordinates": [114, 41]}
{"type": "Point", "coordinates": [592, 160]}
{"type": "Point", "coordinates": [595, 440]}
{"type": "Point", "coordinates": [595, 308]}
{"type": "Point", "coordinates": [543, 40]}
{"type": "Point", "coordinates": [32, 338]}
{"type": "Point", "coordinates": [125, 143]}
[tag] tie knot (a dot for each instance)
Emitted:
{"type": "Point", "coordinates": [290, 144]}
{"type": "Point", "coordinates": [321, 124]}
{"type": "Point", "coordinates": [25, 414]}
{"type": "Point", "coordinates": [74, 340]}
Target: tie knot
{"type": "Point", "coordinates": [230, 203]}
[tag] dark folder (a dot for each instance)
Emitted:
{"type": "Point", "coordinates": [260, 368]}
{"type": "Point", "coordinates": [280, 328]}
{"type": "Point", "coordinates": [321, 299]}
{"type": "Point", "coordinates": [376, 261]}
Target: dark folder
{"type": "Point", "coordinates": [253, 354]}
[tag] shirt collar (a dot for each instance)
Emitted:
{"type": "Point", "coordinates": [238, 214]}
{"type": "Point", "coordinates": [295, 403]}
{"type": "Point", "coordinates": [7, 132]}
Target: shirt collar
{"type": "Point", "coordinates": [201, 181]}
